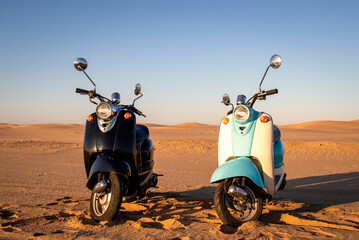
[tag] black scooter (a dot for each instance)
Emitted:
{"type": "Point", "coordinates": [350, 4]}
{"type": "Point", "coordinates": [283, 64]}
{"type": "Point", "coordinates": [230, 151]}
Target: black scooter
{"type": "Point", "coordinates": [118, 153]}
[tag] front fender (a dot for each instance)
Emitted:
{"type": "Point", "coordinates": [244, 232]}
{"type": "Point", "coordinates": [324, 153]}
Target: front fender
{"type": "Point", "coordinates": [239, 167]}
{"type": "Point", "coordinates": [104, 164]}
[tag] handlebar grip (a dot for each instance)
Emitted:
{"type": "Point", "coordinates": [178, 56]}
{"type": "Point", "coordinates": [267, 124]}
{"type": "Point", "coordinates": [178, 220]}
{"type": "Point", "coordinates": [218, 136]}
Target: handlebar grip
{"type": "Point", "coordinates": [81, 91]}
{"type": "Point", "coordinates": [271, 92]}
{"type": "Point", "coordinates": [138, 112]}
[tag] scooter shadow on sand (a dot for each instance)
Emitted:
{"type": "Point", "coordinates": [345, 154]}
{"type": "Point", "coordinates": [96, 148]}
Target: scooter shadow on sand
{"type": "Point", "coordinates": [309, 194]}
{"type": "Point", "coordinates": [154, 209]}
{"type": "Point", "coordinates": [324, 191]}
{"type": "Point", "coordinates": [313, 195]}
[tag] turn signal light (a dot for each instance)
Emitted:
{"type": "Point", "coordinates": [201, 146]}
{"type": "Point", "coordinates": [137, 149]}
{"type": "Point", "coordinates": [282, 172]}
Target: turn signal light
{"type": "Point", "coordinates": [264, 119]}
{"type": "Point", "coordinates": [225, 121]}
{"type": "Point", "coordinates": [90, 118]}
{"type": "Point", "coordinates": [127, 115]}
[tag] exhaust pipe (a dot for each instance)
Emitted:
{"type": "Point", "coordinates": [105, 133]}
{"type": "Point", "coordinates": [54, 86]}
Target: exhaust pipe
{"type": "Point", "coordinates": [236, 191]}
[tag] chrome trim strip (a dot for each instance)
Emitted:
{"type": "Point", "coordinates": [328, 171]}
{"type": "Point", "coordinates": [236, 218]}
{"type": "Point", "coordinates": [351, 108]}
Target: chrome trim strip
{"type": "Point", "coordinates": [109, 126]}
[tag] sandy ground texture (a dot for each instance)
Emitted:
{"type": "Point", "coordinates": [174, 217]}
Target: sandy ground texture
{"type": "Point", "coordinates": [43, 193]}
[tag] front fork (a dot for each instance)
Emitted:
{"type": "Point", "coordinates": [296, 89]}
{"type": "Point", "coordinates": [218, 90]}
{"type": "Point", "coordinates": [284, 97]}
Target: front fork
{"type": "Point", "coordinates": [101, 184]}
{"type": "Point", "coordinates": [234, 188]}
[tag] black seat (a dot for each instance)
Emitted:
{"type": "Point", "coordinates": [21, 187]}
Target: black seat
{"type": "Point", "coordinates": [142, 132]}
{"type": "Point", "coordinates": [276, 134]}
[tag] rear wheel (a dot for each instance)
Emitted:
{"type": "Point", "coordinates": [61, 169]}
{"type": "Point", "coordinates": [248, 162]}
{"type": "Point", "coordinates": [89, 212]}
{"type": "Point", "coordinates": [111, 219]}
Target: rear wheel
{"type": "Point", "coordinates": [236, 210]}
{"type": "Point", "coordinates": [104, 206]}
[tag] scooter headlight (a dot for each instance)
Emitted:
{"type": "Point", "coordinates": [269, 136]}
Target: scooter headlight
{"type": "Point", "coordinates": [241, 113]}
{"type": "Point", "coordinates": [104, 111]}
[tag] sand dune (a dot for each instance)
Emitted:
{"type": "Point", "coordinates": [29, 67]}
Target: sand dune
{"type": "Point", "coordinates": [44, 132]}
{"type": "Point", "coordinates": [327, 126]}
{"type": "Point", "coordinates": [43, 193]}
{"type": "Point", "coordinates": [322, 130]}
{"type": "Point", "coordinates": [190, 124]}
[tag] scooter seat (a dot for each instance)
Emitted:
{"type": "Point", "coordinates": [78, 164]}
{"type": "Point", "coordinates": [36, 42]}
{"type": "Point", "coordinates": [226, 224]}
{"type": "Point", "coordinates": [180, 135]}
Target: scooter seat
{"type": "Point", "coordinates": [142, 132]}
{"type": "Point", "coordinates": [276, 134]}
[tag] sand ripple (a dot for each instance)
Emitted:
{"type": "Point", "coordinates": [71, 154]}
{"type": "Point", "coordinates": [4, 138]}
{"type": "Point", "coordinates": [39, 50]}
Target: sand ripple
{"type": "Point", "coordinates": [33, 147]}
{"type": "Point", "coordinates": [157, 216]}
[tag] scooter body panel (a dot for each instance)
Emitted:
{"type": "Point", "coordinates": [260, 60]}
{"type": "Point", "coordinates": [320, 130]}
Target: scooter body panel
{"type": "Point", "coordinates": [225, 149]}
{"type": "Point", "coordinates": [252, 139]}
{"type": "Point", "coordinates": [262, 149]}
{"type": "Point", "coordinates": [90, 146]}
{"type": "Point", "coordinates": [242, 135]}
{"type": "Point", "coordinates": [278, 154]}
{"type": "Point", "coordinates": [279, 176]}
{"type": "Point", "coordinates": [124, 145]}
{"type": "Point", "coordinates": [119, 142]}
{"type": "Point", "coordinates": [238, 167]}
{"type": "Point", "coordinates": [235, 138]}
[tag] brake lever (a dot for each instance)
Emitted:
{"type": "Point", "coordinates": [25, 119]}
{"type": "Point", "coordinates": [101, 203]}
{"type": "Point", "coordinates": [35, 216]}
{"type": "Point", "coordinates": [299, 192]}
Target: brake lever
{"type": "Point", "coordinates": [261, 95]}
{"type": "Point", "coordinates": [90, 99]}
{"type": "Point", "coordinates": [92, 96]}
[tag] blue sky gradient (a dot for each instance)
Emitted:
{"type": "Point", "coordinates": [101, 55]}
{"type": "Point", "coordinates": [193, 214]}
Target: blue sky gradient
{"type": "Point", "coordinates": [186, 55]}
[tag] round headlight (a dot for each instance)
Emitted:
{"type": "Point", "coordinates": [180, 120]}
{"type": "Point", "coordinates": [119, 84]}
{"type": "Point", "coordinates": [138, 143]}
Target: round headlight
{"type": "Point", "coordinates": [104, 110]}
{"type": "Point", "coordinates": [241, 113]}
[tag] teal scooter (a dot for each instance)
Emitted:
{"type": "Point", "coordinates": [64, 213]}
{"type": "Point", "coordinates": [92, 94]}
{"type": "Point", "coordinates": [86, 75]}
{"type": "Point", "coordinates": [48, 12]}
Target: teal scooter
{"type": "Point", "coordinates": [250, 159]}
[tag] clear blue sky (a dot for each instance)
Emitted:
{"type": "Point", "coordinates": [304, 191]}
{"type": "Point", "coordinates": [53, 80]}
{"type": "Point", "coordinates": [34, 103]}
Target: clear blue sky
{"type": "Point", "coordinates": [186, 54]}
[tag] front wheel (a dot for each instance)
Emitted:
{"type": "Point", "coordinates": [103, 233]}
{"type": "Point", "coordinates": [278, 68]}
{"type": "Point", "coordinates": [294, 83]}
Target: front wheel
{"type": "Point", "coordinates": [233, 210]}
{"type": "Point", "coordinates": [105, 205]}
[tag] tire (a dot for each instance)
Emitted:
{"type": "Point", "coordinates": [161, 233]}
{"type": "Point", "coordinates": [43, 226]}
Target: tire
{"type": "Point", "coordinates": [234, 214]}
{"type": "Point", "coordinates": [105, 206]}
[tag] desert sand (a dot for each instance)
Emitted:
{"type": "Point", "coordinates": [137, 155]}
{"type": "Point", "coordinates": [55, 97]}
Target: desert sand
{"type": "Point", "coordinates": [43, 193]}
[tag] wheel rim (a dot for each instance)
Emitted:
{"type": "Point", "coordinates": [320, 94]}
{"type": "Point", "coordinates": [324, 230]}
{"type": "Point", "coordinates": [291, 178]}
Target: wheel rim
{"type": "Point", "coordinates": [101, 202]}
{"type": "Point", "coordinates": [241, 209]}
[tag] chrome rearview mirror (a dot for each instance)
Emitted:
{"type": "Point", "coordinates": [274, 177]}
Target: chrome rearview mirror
{"type": "Point", "coordinates": [226, 100]}
{"type": "Point", "coordinates": [137, 89]}
{"type": "Point", "coordinates": [80, 64]}
{"type": "Point", "coordinates": [137, 92]}
{"type": "Point", "coordinates": [275, 61]}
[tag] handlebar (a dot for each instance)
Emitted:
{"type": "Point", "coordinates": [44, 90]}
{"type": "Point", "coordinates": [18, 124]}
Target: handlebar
{"type": "Point", "coordinates": [135, 110]}
{"type": "Point", "coordinates": [91, 94]}
{"type": "Point", "coordinates": [271, 92]}
{"type": "Point", "coordinates": [101, 98]}
{"type": "Point", "coordinates": [261, 96]}
{"type": "Point", "coordinates": [82, 91]}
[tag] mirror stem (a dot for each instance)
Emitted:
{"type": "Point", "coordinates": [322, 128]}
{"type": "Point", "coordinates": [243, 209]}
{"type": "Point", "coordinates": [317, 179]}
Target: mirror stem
{"type": "Point", "coordinates": [133, 103]}
{"type": "Point", "coordinates": [228, 104]}
{"type": "Point", "coordinates": [89, 78]}
{"type": "Point", "coordinates": [260, 84]}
